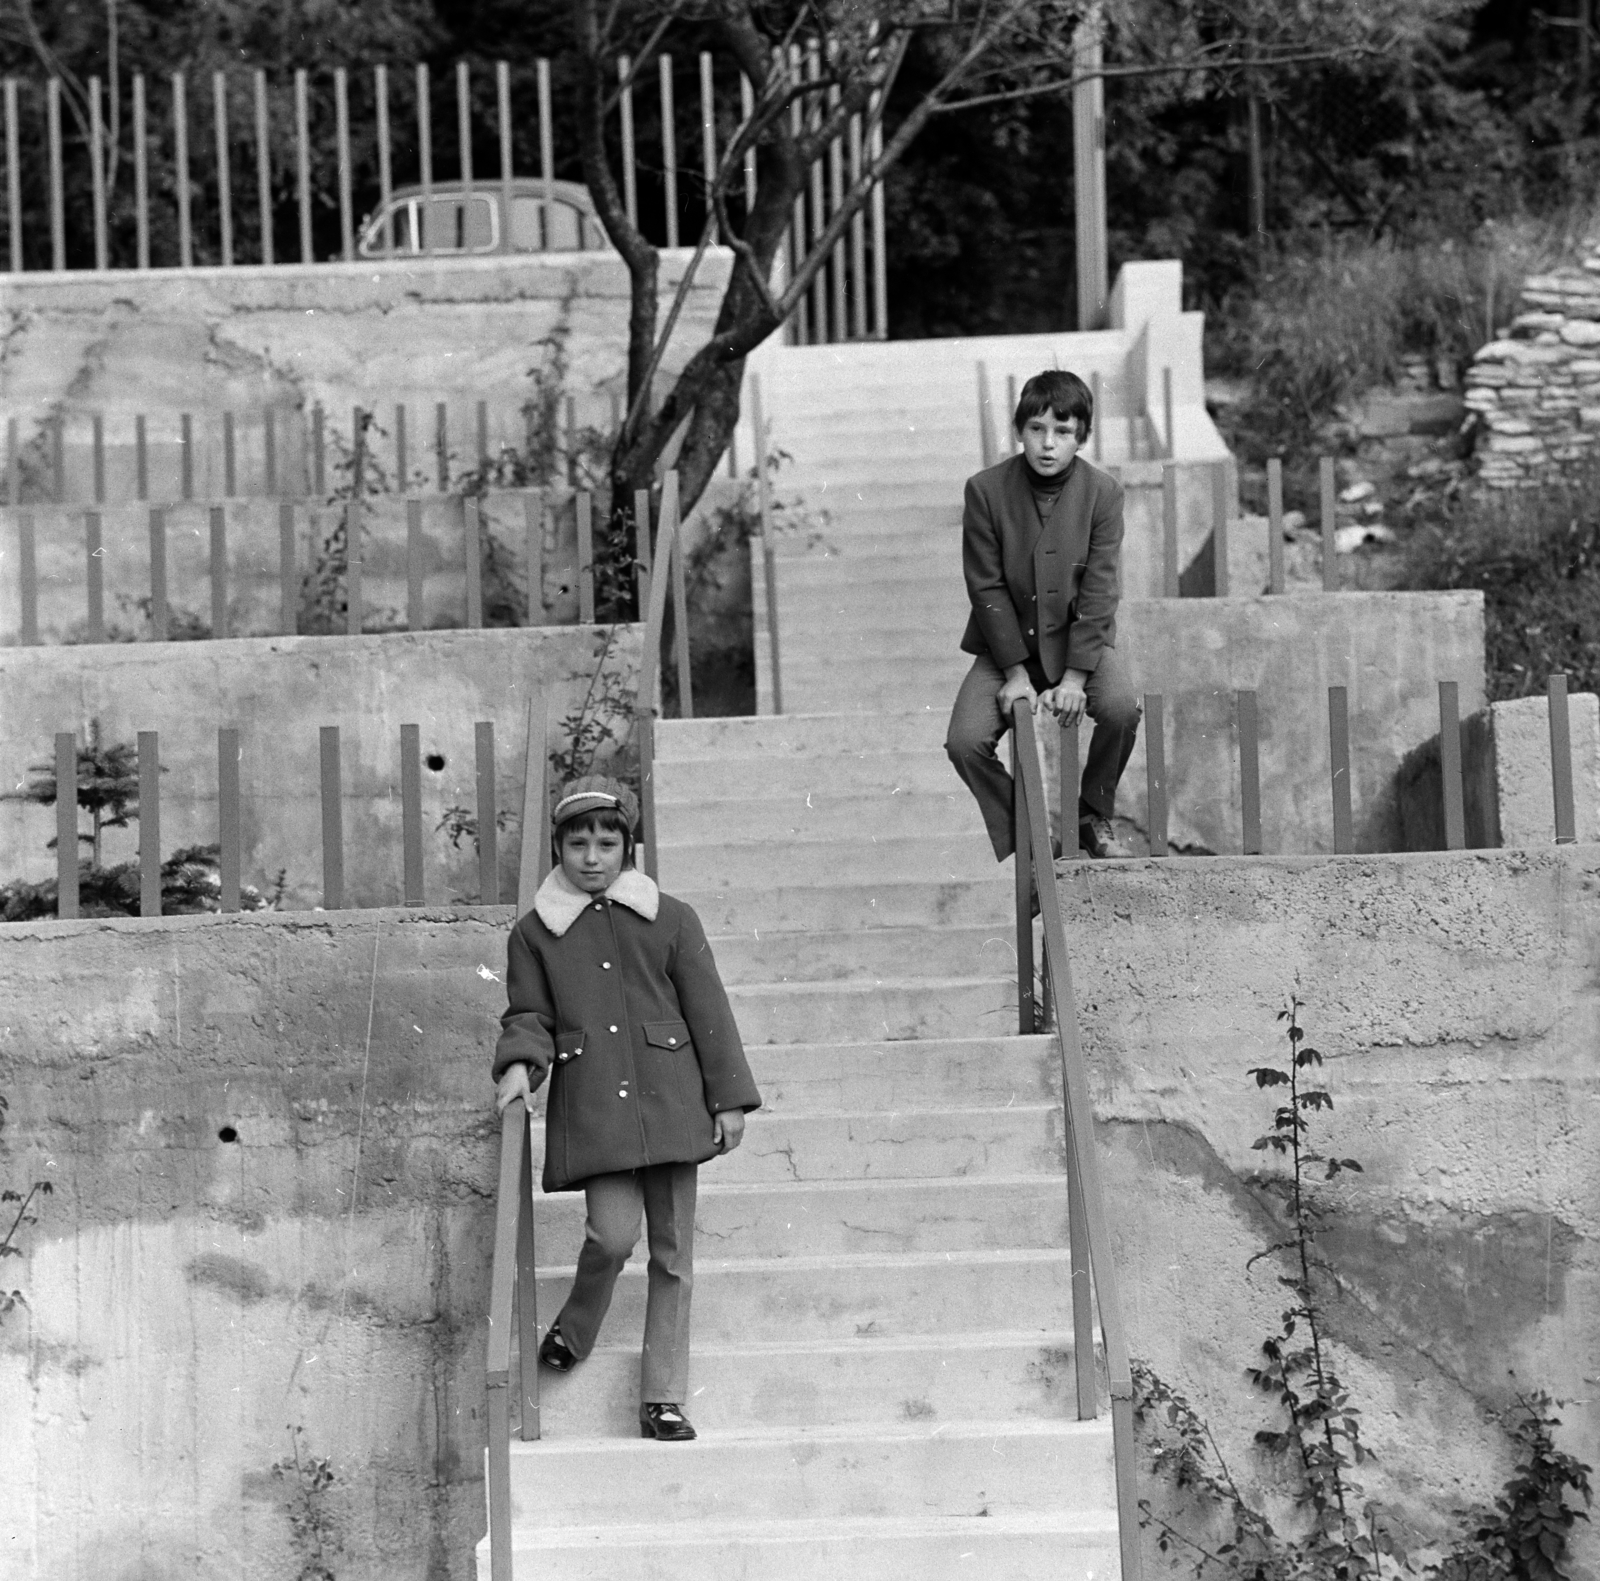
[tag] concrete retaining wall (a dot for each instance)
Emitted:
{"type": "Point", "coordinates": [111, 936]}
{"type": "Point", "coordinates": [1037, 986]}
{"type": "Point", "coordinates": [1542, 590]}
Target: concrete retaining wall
{"type": "Point", "coordinates": [190, 1294]}
{"type": "Point", "coordinates": [278, 691]}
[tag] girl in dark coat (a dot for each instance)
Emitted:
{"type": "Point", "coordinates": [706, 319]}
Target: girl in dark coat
{"type": "Point", "coordinates": [611, 986]}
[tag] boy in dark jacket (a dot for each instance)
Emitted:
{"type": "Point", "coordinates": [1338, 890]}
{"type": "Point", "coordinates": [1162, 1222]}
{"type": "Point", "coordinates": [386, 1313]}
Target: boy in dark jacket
{"type": "Point", "coordinates": [611, 986]}
{"type": "Point", "coordinates": [1042, 551]}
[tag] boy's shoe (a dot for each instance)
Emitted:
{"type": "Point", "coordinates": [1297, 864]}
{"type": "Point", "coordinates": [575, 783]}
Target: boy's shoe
{"type": "Point", "coordinates": [1098, 837]}
{"type": "Point", "coordinates": [553, 1350]}
{"type": "Point", "coordinates": [664, 1422]}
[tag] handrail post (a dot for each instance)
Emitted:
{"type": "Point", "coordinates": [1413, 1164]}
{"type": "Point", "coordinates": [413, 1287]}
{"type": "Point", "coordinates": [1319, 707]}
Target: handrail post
{"type": "Point", "coordinates": [769, 558]}
{"type": "Point", "coordinates": [502, 1294]}
{"type": "Point", "coordinates": [1022, 866]}
{"type": "Point", "coordinates": [529, 1428]}
{"type": "Point", "coordinates": [645, 701]}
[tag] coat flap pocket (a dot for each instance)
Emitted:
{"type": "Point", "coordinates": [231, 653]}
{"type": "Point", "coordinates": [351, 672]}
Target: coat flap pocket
{"type": "Point", "coordinates": [569, 1045]}
{"type": "Point", "coordinates": [666, 1034]}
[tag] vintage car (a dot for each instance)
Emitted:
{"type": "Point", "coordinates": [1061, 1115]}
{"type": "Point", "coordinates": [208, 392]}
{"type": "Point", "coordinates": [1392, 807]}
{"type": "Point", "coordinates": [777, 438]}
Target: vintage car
{"type": "Point", "coordinates": [451, 218]}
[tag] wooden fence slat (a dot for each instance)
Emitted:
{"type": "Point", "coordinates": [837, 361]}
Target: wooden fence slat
{"type": "Point", "coordinates": [229, 819]}
{"type": "Point", "coordinates": [219, 99]}
{"type": "Point", "coordinates": [380, 98]}
{"type": "Point", "coordinates": [1220, 582]}
{"type": "Point", "coordinates": [230, 471]}
{"type": "Point", "coordinates": [288, 577]}
{"type": "Point", "coordinates": [1008, 417]}
{"type": "Point", "coordinates": [986, 448]}
{"type": "Point", "coordinates": [1169, 438]}
{"type": "Point", "coordinates": [28, 578]}
{"type": "Point", "coordinates": [680, 622]}
{"type": "Point", "coordinates": [472, 553]}
{"type": "Point", "coordinates": [534, 863]}
{"type": "Point", "coordinates": [354, 523]}
{"type": "Point", "coordinates": [159, 627]}
{"type": "Point", "coordinates": [1274, 525]}
{"type": "Point", "coordinates": [302, 152]}
{"type": "Point", "coordinates": [149, 824]}
{"type": "Point", "coordinates": [141, 175]}
{"type": "Point", "coordinates": [483, 437]}
{"type": "Point", "coordinates": [58, 458]}
{"type": "Point", "coordinates": [332, 822]}
{"type": "Point", "coordinates": [341, 113]}
{"type": "Point", "coordinates": [269, 452]}
{"type": "Point", "coordinates": [1339, 756]}
{"type": "Point", "coordinates": [1561, 759]}
{"type": "Point", "coordinates": [97, 176]}
{"type": "Point", "coordinates": [13, 463]}
{"type": "Point", "coordinates": [141, 459]}
{"type": "Point", "coordinates": [423, 241]}
{"type": "Point", "coordinates": [502, 100]}
{"type": "Point", "coordinates": [58, 222]}
{"type": "Point", "coordinates": [180, 128]}
{"type": "Point", "coordinates": [488, 815]}
{"type": "Point", "coordinates": [411, 812]}
{"type": "Point", "coordinates": [669, 146]}
{"type": "Point", "coordinates": [585, 559]}
{"type": "Point", "coordinates": [1450, 782]}
{"type": "Point", "coordinates": [186, 456]}
{"type": "Point", "coordinates": [1071, 783]}
{"type": "Point", "coordinates": [414, 584]}
{"type": "Point", "coordinates": [1249, 771]}
{"type": "Point", "coordinates": [533, 507]}
{"type": "Point", "coordinates": [219, 571]}
{"type": "Point", "coordinates": [441, 445]}
{"type": "Point", "coordinates": [99, 453]}
{"type": "Point", "coordinates": [1155, 750]}
{"type": "Point", "coordinates": [402, 458]}
{"type": "Point", "coordinates": [319, 452]}
{"type": "Point", "coordinates": [66, 824]}
{"type": "Point", "coordinates": [630, 175]}
{"type": "Point", "coordinates": [1096, 417]}
{"type": "Point", "coordinates": [14, 170]}
{"type": "Point", "coordinates": [263, 169]}
{"type": "Point", "coordinates": [1169, 529]}
{"type": "Point", "coordinates": [644, 729]}
{"type": "Point", "coordinates": [95, 555]}
{"type": "Point", "coordinates": [1328, 498]}
{"type": "Point", "coordinates": [641, 548]}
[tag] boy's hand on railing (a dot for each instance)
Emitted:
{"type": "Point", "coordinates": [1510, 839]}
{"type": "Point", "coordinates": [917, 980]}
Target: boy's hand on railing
{"type": "Point", "coordinates": [727, 1129]}
{"type": "Point", "coordinates": [514, 1084]}
{"type": "Point", "coordinates": [1017, 685]}
{"type": "Point", "coordinates": [1067, 699]}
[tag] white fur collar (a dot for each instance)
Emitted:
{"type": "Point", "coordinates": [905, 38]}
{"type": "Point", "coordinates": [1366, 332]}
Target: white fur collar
{"type": "Point", "coordinates": [560, 901]}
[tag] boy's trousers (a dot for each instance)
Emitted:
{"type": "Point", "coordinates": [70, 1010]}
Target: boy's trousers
{"type": "Point", "coordinates": [976, 726]}
{"type": "Point", "coordinates": [666, 1194]}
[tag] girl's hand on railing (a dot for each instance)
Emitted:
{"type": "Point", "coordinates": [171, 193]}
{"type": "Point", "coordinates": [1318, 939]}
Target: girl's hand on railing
{"type": "Point", "coordinates": [514, 1084]}
{"type": "Point", "coordinates": [727, 1129]}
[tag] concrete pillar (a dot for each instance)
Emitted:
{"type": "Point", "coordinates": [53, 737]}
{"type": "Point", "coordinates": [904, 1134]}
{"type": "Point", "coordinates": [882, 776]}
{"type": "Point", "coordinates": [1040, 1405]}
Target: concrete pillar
{"type": "Point", "coordinates": [1089, 171]}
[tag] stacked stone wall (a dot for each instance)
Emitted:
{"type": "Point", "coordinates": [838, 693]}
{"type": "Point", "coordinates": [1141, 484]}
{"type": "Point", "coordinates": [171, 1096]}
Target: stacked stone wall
{"type": "Point", "coordinates": [1536, 389]}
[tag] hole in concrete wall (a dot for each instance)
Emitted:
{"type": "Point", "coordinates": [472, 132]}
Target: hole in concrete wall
{"type": "Point", "coordinates": [227, 1134]}
{"type": "Point", "coordinates": [435, 761]}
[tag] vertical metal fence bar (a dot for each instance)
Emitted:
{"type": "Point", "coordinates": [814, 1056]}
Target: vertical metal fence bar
{"type": "Point", "coordinates": [341, 116]}
{"type": "Point", "coordinates": [332, 822]}
{"type": "Point", "coordinates": [1327, 491]}
{"type": "Point", "coordinates": [230, 472]}
{"type": "Point", "coordinates": [464, 139]}
{"type": "Point", "coordinates": [1339, 757]}
{"type": "Point", "coordinates": [819, 212]}
{"type": "Point", "coordinates": [488, 833]}
{"type": "Point", "coordinates": [585, 507]}
{"type": "Point", "coordinates": [185, 456]}
{"type": "Point", "coordinates": [402, 459]}
{"type": "Point", "coordinates": [1169, 529]}
{"type": "Point", "coordinates": [302, 156]}
{"type": "Point", "coordinates": [1221, 584]}
{"type": "Point", "coordinates": [180, 130]}
{"type": "Point", "coordinates": [98, 445]}
{"type": "Point", "coordinates": [838, 258]}
{"type": "Point", "coordinates": [58, 219]}
{"type": "Point", "coordinates": [380, 95]}
{"type": "Point", "coordinates": [219, 571]}
{"type": "Point", "coordinates": [858, 238]}
{"type": "Point", "coordinates": [141, 175]}
{"type": "Point", "coordinates": [263, 167]}
{"type": "Point", "coordinates": [747, 108]}
{"type": "Point", "coordinates": [288, 577]}
{"type": "Point", "coordinates": [411, 812]}
{"type": "Point", "coordinates": [149, 824]}
{"type": "Point", "coordinates": [669, 146]}
{"type": "Point", "coordinates": [630, 175]}
{"type": "Point", "coordinates": [533, 560]}
{"type": "Point", "coordinates": [141, 459]}
{"type": "Point", "coordinates": [354, 521]}
{"type": "Point", "coordinates": [502, 91]}
{"type": "Point", "coordinates": [66, 824]}
{"type": "Point", "coordinates": [413, 565]}
{"type": "Point", "coordinates": [472, 551]}
{"type": "Point", "coordinates": [28, 579]}
{"type": "Point", "coordinates": [1561, 759]}
{"type": "Point", "coordinates": [159, 630]}
{"type": "Point", "coordinates": [769, 557]}
{"type": "Point", "coordinates": [219, 95]}
{"type": "Point", "coordinates": [441, 444]}
{"type": "Point", "coordinates": [1274, 525]}
{"type": "Point", "coordinates": [1249, 772]}
{"type": "Point", "coordinates": [1071, 791]}
{"type": "Point", "coordinates": [1022, 875]}
{"type": "Point", "coordinates": [229, 821]}
{"type": "Point", "coordinates": [796, 248]}
{"type": "Point", "coordinates": [97, 176]}
{"type": "Point", "coordinates": [423, 239]}
{"type": "Point", "coordinates": [708, 135]}
{"type": "Point", "coordinates": [269, 452]}
{"type": "Point", "coordinates": [14, 166]}
{"type": "Point", "coordinates": [547, 156]}
{"type": "Point", "coordinates": [95, 561]}
{"type": "Point", "coordinates": [880, 257]}
{"type": "Point", "coordinates": [1155, 769]}
{"type": "Point", "coordinates": [1452, 793]}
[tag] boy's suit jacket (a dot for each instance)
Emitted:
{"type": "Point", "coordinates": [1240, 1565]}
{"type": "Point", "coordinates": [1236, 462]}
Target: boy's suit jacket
{"type": "Point", "coordinates": [1071, 561]}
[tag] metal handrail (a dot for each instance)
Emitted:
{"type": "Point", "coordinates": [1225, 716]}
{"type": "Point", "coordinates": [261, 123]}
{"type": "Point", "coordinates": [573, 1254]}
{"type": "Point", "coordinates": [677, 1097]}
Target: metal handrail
{"type": "Point", "coordinates": [1086, 1192]}
{"type": "Point", "coordinates": [769, 558]}
{"type": "Point", "coordinates": [644, 708]}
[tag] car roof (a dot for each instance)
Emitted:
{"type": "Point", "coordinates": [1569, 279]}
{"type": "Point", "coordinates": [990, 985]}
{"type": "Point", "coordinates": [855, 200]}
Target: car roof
{"type": "Point", "coordinates": [571, 192]}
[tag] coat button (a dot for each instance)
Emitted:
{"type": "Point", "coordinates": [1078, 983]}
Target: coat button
{"type": "Point", "coordinates": [605, 966]}
{"type": "Point", "coordinates": [613, 1029]}
{"type": "Point", "coordinates": [562, 1057]}
{"type": "Point", "coordinates": [672, 1043]}
{"type": "Point", "coordinates": [622, 1092]}
{"type": "Point", "coordinates": [598, 906]}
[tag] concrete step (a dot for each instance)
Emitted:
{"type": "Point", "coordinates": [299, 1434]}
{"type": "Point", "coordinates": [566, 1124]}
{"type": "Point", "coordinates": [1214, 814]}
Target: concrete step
{"type": "Point", "coordinates": [679, 785]}
{"type": "Point", "coordinates": [822, 486]}
{"type": "Point", "coordinates": [889, 904]}
{"type": "Point", "coordinates": [932, 548]}
{"type": "Point", "coordinates": [1053, 1547]}
{"type": "Point", "coordinates": [846, 1217]}
{"type": "Point", "coordinates": [833, 1299]}
{"type": "Point", "coordinates": [852, 954]}
{"type": "Point", "coordinates": [905, 1007]}
{"type": "Point", "coordinates": [850, 813]}
{"type": "Point", "coordinates": [997, 1377]}
{"type": "Point", "coordinates": [883, 512]}
{"type": "Point", "coordinates": [919, 568]}
{"type": "Point", "coordinates": [794, 735]}
{"type": "Point", "coordinates": [954, 1469]}
{"type": "Point", "coordinates": [724, 865]}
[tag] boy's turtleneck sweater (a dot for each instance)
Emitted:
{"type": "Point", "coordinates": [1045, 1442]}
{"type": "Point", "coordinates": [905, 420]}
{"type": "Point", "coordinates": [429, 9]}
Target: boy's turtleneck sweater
{"type": "Point", "coordinates": [1046, 491]}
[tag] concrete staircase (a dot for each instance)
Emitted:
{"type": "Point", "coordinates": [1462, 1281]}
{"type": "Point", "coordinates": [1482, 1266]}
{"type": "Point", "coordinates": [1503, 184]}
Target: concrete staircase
{"type": "Point", "coordinates": [882, 1374]}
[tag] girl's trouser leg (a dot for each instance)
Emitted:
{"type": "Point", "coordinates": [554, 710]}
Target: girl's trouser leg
{"type": "Point", "coordinates": [611, 1229]}
{"type": "Point", "coordinates": [669, 1198]}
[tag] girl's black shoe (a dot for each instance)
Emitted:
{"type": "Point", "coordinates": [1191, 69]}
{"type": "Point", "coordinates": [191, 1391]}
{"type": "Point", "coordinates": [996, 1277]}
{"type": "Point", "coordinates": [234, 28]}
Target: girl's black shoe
{"type": "Point", "coordinates": [664, 1421]}
{"type": "Point", "coordinates": [553, 1351]}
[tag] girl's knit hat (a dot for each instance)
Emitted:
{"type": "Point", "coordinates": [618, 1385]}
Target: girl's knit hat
{"type": "Point", "coordinates": [593, 792]}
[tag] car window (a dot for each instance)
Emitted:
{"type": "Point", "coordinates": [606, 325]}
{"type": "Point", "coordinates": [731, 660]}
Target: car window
{"type": "Point", "coordinates": [567, 226]}
{"type": "Point", "coordinates": [453, 224]}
